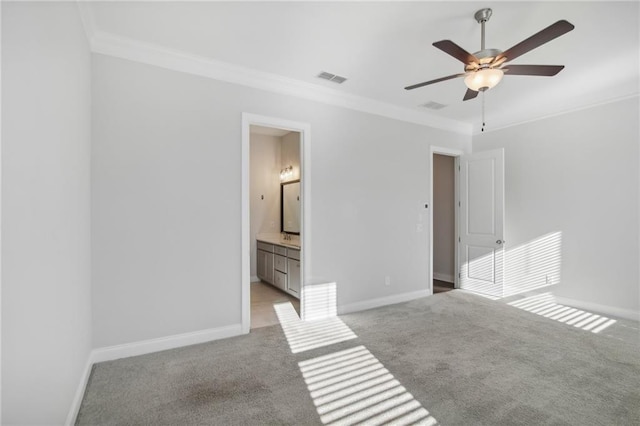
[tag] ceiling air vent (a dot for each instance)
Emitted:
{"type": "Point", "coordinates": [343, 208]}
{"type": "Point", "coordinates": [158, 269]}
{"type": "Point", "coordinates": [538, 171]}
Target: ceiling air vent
{"type": "Point", "coordinates": [332, 77]}
{"type": "Point", "coordinates": [433, 105]}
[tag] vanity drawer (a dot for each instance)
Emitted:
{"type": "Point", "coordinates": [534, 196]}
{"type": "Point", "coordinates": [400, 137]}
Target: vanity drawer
{"type": "Point", "coordinates": [280, 263]}
{"type": "Point", "coordinates": [265, 247]}
{"type": "Point", "coordinates": [293, 254]}
{"type": "Point", "coordinates": [280, 250]}
{"type": "Point", "coordinates": [280, 280]}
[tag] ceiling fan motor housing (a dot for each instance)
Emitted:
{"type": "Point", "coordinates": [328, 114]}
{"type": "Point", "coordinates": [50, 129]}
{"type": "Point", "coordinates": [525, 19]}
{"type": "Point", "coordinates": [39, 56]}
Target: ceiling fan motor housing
{"type": "Point", "coordinates": [485, 58]}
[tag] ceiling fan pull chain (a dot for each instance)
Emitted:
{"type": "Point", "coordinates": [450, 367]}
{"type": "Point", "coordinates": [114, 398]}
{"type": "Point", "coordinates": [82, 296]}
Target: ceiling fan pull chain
{"type": "Point", "coordinates": [483, 123]}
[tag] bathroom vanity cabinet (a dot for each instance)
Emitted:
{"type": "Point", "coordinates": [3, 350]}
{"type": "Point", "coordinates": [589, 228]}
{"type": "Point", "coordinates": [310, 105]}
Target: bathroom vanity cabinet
{"type": "Point", "coordinates": [279, 266]}
{"type": "Point", "coordinates": [265, 264]}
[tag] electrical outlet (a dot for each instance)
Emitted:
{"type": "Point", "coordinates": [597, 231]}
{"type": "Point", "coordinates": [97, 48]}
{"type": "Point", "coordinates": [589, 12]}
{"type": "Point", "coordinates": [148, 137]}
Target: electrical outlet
{"type": "Point", "coordinates": [387, 280]}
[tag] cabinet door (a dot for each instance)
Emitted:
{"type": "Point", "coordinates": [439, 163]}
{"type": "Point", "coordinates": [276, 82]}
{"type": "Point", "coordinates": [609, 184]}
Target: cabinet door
{"type": "Point", "coordinates": [260, 263]}
{"type": "Point", "coordinates": [280, 280]}
{"type": "Point", "coordinates": [293, 276]}
{"type": "Point", "coordinates": [265, 266]}
{"type": "Point", "coordinates": [268, 273]}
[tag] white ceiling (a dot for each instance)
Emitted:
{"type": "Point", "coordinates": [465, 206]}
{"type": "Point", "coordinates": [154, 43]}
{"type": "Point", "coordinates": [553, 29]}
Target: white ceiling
{"type": "Point", "coordinates": [382, 47]}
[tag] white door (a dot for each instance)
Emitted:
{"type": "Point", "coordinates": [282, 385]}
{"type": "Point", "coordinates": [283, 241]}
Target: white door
{"type": "Point", "coordinates": [481, 244]}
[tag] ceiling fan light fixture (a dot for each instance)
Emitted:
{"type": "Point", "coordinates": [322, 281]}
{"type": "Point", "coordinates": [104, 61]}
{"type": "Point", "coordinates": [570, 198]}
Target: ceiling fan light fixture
{"type": "Point", "coordinates": [483, 79]}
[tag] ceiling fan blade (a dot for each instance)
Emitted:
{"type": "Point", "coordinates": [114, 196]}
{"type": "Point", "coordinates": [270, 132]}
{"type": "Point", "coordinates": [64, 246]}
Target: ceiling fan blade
{"type": "Point", "coordinates": [538, 39]}
{"type": "Point", "coordinates": [437, 80]}
{"type": "Point", "coordinates": [542, 70]}
{"type": "Point", "coordinates": [470, 95]}
{"type": "Point", "coordinates": [449, 47]}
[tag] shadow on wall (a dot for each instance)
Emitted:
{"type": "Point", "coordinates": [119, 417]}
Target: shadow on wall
{"type": "Point", "coordinates": [530, 266]}
{"type": "Point", "coordinates": [319, 301]}
{"type": "Point", "coordinates": [533, 265]}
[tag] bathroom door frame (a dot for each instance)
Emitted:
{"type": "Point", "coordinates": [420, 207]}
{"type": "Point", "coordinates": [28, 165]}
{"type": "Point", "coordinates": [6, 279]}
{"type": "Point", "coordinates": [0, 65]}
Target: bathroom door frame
{"type": "Point", "coordinates": [456, 153]}
{"type": "Point", "coordinates": [304, 129]}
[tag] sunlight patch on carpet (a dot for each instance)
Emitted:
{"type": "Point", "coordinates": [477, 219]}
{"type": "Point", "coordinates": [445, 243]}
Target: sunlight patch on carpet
{"type": "Point", "coordinates": [544, 305]}
{"type": "Point", "coordinates": [352, 387]}
{"type": "Point", "coordinates": [306, 335]}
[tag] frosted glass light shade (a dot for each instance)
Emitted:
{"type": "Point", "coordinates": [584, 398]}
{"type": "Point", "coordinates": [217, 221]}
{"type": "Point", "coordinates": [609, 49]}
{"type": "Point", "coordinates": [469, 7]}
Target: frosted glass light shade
{"type": "Point", "coordinates": [483, 79]}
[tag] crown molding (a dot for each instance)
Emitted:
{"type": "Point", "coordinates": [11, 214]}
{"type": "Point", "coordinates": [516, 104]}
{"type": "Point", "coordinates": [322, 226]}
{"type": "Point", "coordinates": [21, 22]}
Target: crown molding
{"type": "Point", "coordinates": [150, 54]}
{"type": "Point", "coordinates": [634, 95]}
{"type": "Point", "coordinates": [134, 50]}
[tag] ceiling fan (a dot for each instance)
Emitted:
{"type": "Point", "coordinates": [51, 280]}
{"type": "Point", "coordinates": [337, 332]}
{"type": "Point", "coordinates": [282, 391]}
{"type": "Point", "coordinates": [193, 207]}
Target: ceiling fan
{"type": "Point", "coordinates": [485, 68]}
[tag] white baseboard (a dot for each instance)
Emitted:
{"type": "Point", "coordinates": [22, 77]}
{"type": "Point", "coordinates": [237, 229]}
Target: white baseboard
{"type": "Point", "coordinates": [382, 301]}
{"type": "Point", "coordinates": [145, 347]}
{"type": "Point", "coordinates": [599, 309]}
{"type": "Point", "coordinates": [77, 398]}
{"type": "Point", "coordinates": [163, 343]}
{"type": "Point", "coordinates": [443, 277]}
{"type": "Point", "coordinates": [254, 278]}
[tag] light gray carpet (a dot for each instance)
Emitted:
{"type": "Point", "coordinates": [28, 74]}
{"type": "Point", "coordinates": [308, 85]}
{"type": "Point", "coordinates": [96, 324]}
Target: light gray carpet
{"type": "Point", "coordinates": [466, 359]}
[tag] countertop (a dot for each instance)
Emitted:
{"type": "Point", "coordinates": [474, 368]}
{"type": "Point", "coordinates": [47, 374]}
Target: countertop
{"type": "Point", "coordinates": [277, 239]}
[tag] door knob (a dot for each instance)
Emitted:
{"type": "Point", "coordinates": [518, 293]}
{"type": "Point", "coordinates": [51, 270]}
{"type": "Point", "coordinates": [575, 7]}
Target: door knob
{"type": "Point", "coordinates": [499, 242]}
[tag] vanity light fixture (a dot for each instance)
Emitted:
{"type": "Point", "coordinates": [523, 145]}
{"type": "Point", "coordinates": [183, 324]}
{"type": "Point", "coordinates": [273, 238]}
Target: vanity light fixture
{"type": "Point", "coordinates": [286, 173]}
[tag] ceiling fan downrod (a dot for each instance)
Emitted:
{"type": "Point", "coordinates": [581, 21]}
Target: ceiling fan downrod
{"type": "Point", "coordinates": [482, 16]}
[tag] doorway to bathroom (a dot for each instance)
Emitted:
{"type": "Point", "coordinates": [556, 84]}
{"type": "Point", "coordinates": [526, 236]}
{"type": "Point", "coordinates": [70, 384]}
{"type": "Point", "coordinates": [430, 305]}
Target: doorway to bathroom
{"type": "Point", "coordinates": [275, 212]}
{"type": "Point", "coordinates": [275, 192]}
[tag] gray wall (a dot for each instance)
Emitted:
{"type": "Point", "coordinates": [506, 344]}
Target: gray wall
{"type": "Point", "coordinates": [443, 217]}
{"type": "Point", "coordinates": [46, 304]}
{"type": "Point", "coordinates": [577, 174]}
{"type": "Point", "coordinates": [166, 199]}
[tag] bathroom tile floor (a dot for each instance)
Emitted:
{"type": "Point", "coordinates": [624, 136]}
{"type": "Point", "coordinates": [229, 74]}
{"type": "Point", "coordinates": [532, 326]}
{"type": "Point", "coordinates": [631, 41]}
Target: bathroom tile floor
{"type": "Point", "coordinates": [263, 297]}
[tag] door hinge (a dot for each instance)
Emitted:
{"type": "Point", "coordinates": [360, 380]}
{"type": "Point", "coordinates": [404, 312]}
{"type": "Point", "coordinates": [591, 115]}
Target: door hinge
{"type": "Point", "coordinates": [459, 275]}
{"type": "Point", "coordinates": [459, 204]}
{"type": "Point", "coordinates": [459, 240]}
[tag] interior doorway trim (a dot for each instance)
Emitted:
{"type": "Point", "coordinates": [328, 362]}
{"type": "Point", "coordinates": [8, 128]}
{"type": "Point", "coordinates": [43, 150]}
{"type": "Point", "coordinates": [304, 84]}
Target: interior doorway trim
{"type": "Point", "coordinates": [457, 153]}
{"type": "Point", "coordinates": [305, 177]}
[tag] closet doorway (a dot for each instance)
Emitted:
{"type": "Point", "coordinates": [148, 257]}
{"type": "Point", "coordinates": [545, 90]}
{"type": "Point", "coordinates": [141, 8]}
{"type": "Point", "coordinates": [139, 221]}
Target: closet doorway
{"type": "Point", "coordinates": [444, 219]}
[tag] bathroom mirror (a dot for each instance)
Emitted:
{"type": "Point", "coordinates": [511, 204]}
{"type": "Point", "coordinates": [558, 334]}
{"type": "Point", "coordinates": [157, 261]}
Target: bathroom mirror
{"type": "Point", "coordinates": [290, 207]}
